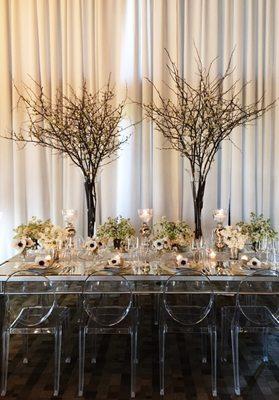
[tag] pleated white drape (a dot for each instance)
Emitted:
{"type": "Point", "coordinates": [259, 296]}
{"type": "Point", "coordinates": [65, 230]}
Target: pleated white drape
{"type": "Point", "coordinates": [62, 42]}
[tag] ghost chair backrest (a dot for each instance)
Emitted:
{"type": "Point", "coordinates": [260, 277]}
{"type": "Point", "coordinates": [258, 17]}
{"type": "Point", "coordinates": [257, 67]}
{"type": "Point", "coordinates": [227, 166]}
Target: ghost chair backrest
{"type": "Point", "coordinates": [258, 298]}
{"type": "Point", "coordinates": [107, 297]}
{"type": "Point", "coordinates": [29, 299]}
{"type": "Point", "coordinates": [188, 297]}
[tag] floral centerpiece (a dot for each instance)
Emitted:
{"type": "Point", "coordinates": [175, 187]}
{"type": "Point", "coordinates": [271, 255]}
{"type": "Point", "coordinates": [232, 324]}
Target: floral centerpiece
{"type": "Point", "coordinates": [234, 238]}
{"type": "Point", "coordinates": [53, 237]}
{"type": "Point", "coordinates": [178, 234]}
{"type": "Point", "coordinates": [28, 235]}
{"type": "Point", "coordinates": [118, 229]}
{"type": "Point", "coordinates": [258, 229]}
{"type": "Point", "coordinates": [39, 233]}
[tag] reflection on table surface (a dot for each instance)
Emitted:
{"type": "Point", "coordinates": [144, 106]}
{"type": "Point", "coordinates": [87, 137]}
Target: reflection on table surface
{"type": "Point", "coordinates": [148, 267]}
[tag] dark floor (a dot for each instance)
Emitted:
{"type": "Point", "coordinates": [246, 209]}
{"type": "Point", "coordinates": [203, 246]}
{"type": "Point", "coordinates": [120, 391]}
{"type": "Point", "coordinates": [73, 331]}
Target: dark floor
{"type": "Point", "coordinates": [186, 377]}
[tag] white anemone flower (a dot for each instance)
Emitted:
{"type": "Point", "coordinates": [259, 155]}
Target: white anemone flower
{"type": "Point", "coordinates": [159, 244]}
{"type": "Point", "coordinates": [91, 244]}
{"type": "Point", "coordinates": [181, 261]}
{"type": "Point", "coordinates": [254, 263]}
{"type": "Point", "coordinates": [19, 244]}
{"type": "Point", "coordinates": [44, 262]}
{"type": "Point", "coordinates": [115, 261]}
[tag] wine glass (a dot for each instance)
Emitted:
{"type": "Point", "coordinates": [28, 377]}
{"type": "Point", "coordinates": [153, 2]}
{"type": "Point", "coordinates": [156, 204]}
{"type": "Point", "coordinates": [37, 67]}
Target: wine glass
{"type": "Point", "coordinates": [275, 253]}
{"type": "Point", "coordinates": [133, 243]}
{"type": "Point", "coordinates": [263, 248]}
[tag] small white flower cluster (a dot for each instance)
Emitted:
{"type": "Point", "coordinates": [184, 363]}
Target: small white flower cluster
{"type": "Point", "coordinates": [178, 233]}
{"type": "Point", "coordinates": [233, 237]}
{"type": "Point", "coordinates": [162, 244]}
{"type": "Point", "coordinates": [116, 228]}
{"type": "Point", "coordinates": [53, 237]}
{"type": "Point", "coordinates": [39, 233]}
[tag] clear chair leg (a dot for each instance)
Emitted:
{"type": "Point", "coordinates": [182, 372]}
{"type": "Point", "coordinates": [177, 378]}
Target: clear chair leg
{"type": "Point", "coordinates": [204, 347]}
{"type": "Point", "coordinates": [133, 365]}
{"type": "Point", "coordinates": [82, 335]}
{"type": "Point", "coordinates": [265, 345]}
{"type": "Point", "coordinates": [156, 308]}
{"type": "Point", "coordinates": [25, 349]}
{"type": "Point", "coordinates": [235, 356]}
{"type": "Point", "coordinates": [94, 349]}
{"type": "Point", "coordinates": [57, 360]}
{"type": "Point", "coordinates": [136, 300]}
{"type": "Point", "coordinates": [5, 361]}
{"type": "Point", "coordinates": [224, 336]}
{"type": "Point", "coordinates": [69, 339]}
{"type": "Point", "coordinates": [79, 306]}
{"type": "Point", "coordinates": [213, 348]}
{"type": "Point", "coordinates": [162, 342]}
{"type": "Point", "coordinates": [136, 355]}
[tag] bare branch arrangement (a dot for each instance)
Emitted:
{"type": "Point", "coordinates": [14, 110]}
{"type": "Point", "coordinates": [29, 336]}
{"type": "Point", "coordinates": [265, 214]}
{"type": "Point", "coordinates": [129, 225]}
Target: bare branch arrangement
{"type": "Point", "coordinates": [83, 126]}
{"type": "Point", "coordinates": [200, 118]}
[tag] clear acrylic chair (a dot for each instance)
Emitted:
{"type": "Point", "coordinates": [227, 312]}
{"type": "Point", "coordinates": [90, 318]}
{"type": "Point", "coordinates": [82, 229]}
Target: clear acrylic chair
{"type": "Point", "coordinates": [188, 307]}
{"type": "Point", "coordinates": [30, 308]}
{"type": "Point", "coordinates": [256, 311]}
{"type": "Point", "coordinates": [107, 307]}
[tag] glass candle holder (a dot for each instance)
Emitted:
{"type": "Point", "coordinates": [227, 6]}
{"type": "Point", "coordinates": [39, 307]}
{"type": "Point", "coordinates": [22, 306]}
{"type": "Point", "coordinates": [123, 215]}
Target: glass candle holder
{"type": "Point", "coordinates": [145, 214]}
{"type": "Point", "coordinates": [69, 216]}
{"type": "Point", "coordinates": [220, 215]}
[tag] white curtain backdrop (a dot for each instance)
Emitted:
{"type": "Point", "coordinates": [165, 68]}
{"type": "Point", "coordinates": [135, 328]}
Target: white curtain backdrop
{"type": "Point", "coordinates": [62, 42]}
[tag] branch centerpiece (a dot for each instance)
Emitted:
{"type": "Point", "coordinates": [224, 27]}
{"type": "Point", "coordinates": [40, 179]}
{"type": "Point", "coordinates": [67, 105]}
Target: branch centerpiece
{"type": "Point", "coordinates": [83, 126]}
{"type": "Point", "coordinates": [200, 118]}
